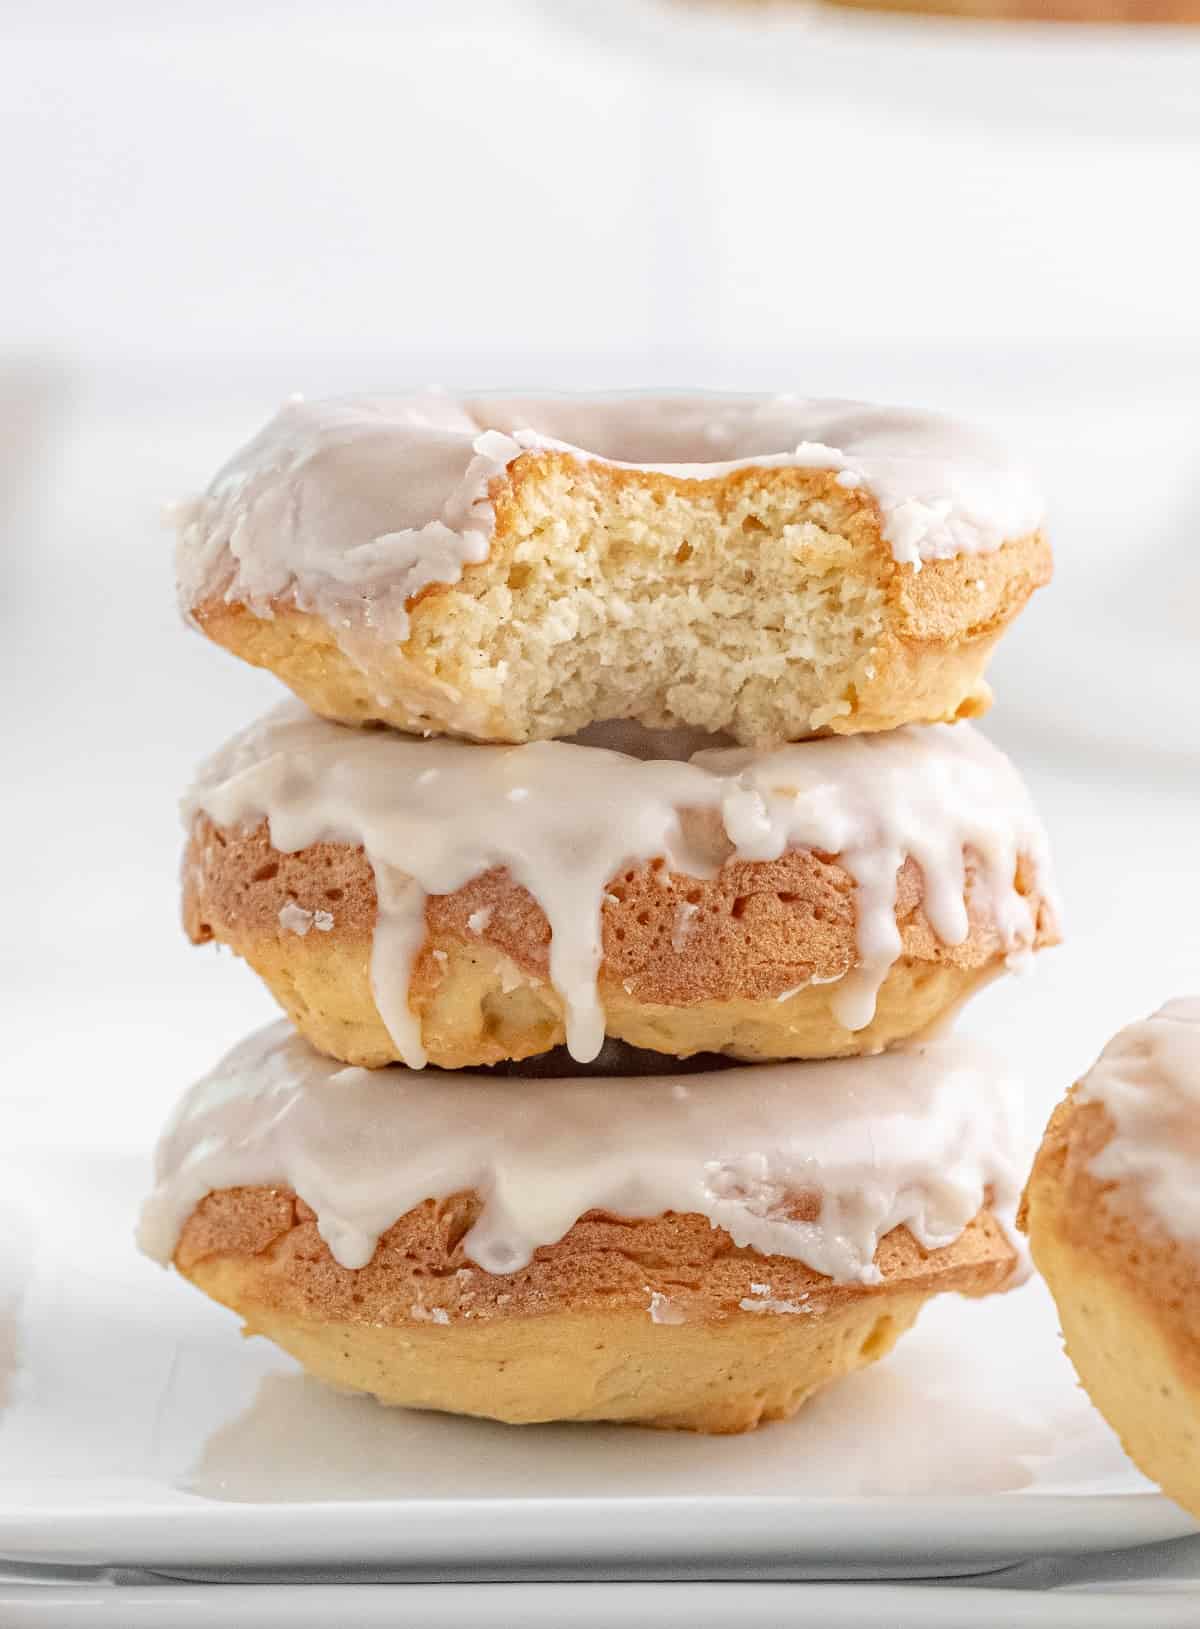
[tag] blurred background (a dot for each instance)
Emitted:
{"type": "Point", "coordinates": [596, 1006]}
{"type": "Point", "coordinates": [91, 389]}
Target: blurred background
{"type": "Point", "coordinates": [207, 209]}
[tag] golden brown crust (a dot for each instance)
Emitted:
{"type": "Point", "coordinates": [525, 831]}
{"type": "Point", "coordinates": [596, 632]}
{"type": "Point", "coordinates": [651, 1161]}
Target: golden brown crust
{"type": "Point", "coordinates": [923, 661]}
{"type": "Point", "coordinates": [718, 1377]}
{"type": "Point", "coordinates": [942, 625]}
{"type": "Point", "coordinates": [1109, 1224]}
{"type": "Point", "coordinates": [1043, 11]}
{"type": "Point", "coordinates": [641, 1321]}
{"type": "Point", "coordinates": [602, 1264]}
{"type": "Point", "coordinates": [1128, 1298]}
{"type": "Point", "coordinates": [690, 964]}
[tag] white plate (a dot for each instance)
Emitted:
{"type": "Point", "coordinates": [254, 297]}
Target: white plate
{"type": "Point", "coordinates": [140, 1431]}
{"type": "Point", "coordinates": [584, 1606]}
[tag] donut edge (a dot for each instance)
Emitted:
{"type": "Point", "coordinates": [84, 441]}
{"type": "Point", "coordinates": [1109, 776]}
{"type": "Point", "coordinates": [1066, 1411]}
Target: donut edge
{"type": "Point", "coordinates": [642, 1322]}
{"type": "Point", "coordinates": [1127, 1295]}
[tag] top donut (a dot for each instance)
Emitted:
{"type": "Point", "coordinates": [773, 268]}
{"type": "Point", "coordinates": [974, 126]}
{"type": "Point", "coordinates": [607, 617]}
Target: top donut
{"type": "Point", "coordinates": [516, 568]}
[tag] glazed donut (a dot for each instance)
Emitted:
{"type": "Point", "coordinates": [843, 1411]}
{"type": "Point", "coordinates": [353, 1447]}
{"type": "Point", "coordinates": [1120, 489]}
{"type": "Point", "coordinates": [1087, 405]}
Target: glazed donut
{"type": "Point", "coordinates": [701, 1252]}
{"type": "Point", "coordinates": [1112, 1210]}
{"type": "Point", "coordinates": [408, 901]}
{"type": "Point", "coordinates": [515, 570]}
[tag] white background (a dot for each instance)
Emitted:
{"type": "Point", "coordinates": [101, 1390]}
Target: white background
{"type": "Point", "coordinates": [466, 184]}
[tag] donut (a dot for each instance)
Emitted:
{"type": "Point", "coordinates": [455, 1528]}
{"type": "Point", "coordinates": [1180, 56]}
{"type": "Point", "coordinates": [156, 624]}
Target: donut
{"type": "Point", "coordinates": [1112, 1210]}
{"type": "Point", "coordinates": [412, 901]}
{"type": "Point", "coordinates": [518, 569]}
{"type": "Point", "coordinates": [1043, 11]}
{"type": "Point", "coordinates": [698, 1251]}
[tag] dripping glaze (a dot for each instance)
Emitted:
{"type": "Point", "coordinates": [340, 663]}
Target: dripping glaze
{"type": "Point", "coordinates": [923, 1138]}
{"type": "Point", "coordinates": [565, 818]}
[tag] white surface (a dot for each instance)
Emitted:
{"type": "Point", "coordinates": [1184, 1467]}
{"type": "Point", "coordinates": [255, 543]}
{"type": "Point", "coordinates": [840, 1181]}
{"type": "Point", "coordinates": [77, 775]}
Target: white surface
{"type": "Point", "coordinates": [347, 176]}
{"type": "Point", "coordinates": [592, 1606]}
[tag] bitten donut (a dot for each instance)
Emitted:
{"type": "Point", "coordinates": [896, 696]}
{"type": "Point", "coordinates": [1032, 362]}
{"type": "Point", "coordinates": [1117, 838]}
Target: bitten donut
{"type": "Point", "coordinates": [1112, 1210]}
{"type": "Point", "coordinates": [517, 569]}
{"type": "Point", "coordinates": [700, 1251]}
{"type": "Point", "coordinates": [412, 900]}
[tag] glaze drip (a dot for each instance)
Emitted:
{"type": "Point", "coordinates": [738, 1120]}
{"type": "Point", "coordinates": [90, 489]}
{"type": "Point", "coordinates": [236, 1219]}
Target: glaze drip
{"type": "Point", "coordinates": [1148, 1079]}
{"type": "Point", "coordinates": [566, 818]}
{"type": "Point", "coordinates": [815, 1161]}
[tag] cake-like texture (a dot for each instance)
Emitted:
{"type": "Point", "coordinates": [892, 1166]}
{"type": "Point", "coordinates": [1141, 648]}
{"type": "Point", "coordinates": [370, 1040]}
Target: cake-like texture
{"type": "Point", "coordinates": [575, 1336]}
{"type": "Point", "coordinates": [696, 1251]}
{"type": "Point", "coordinates": [517, 569]}
{"type": "Point", "coordinates": [430, 901]}
{"type": "Point", "coordinates": [1112, 1210]}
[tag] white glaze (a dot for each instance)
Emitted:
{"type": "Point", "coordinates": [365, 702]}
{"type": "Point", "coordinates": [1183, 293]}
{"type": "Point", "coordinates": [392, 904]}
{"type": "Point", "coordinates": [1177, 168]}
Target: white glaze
{"type": "Point", "coordinates": [1148, 1079]}
{"type": "Point", "coordinates": [294, 918]}
{"type": "Point", "coordinates": [352, 506]}
{"type": "Point", "coordinates": [773, 1304]}
{"type": "Point", "coordinates": [566, 818]}
{"type": "Point", "coordinates": [662, 1309]}
{"type": "Point", "coordinates": [913, 1138]}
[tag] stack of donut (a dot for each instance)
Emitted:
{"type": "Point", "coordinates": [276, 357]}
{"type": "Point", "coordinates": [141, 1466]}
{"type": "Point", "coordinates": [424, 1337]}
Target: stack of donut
{"type": "Point", "coordinates": [618, 870]}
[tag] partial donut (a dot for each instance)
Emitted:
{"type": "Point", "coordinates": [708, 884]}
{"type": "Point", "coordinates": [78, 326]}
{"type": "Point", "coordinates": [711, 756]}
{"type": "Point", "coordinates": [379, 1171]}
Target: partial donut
{"type": "Point", "coordinates": [1044, 11]}
{"type": "Point", "coordinates": [514, 570]}
{"type": "Point", "coordinates": [1112, 1210]}
{"type": "Point", "coordinates": [429, 901]}
{"type": "Point", "coordinates": [700, 1252]}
